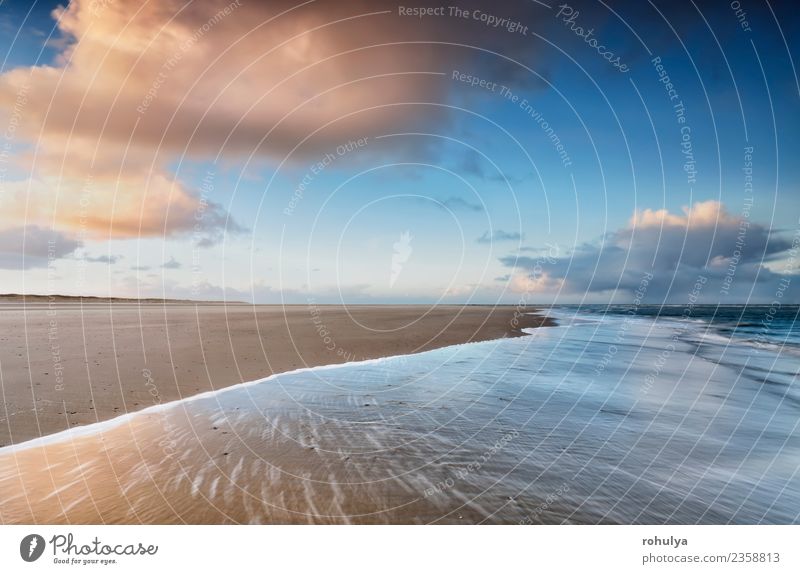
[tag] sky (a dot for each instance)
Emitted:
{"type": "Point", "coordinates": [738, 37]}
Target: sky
{"type": "Point", "coordinates": [380, 152]}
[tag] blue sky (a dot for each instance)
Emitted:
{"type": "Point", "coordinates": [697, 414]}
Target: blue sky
{"type": "Point", "coordinates": [462, 188]}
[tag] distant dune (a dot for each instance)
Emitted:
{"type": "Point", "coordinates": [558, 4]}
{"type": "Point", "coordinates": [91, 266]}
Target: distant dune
{"type": "Point", "coordinates": [19, 298]}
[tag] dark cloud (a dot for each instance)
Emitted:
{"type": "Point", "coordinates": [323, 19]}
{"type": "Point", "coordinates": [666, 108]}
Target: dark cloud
{"type": "Point", "coordinates": [212, 224]}
{"type": "Point", "coordinates": [731, 253]}
{"type": "Point", "coordinates": [32, 246]}
{"type": "Point", "coordinates": [107, 259]}
{"type": "Point", "coordinates": [172, 264]}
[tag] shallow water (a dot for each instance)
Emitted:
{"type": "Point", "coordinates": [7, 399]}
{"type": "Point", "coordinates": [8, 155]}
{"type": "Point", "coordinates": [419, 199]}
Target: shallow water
{"type": "Point", "coordinates": [609, 418]}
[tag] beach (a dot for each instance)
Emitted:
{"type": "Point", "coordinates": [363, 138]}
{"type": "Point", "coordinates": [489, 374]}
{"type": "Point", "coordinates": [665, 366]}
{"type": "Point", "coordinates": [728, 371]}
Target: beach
{"type": "Point", "coordinates": [66, 364]}
{"type": "Point", "coordinates": [581, 423]}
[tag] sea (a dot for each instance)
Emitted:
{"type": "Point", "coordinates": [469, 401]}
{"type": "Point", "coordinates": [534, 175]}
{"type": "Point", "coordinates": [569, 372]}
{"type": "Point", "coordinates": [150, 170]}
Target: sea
{"type": "Point", "coordinates": [616, 415]}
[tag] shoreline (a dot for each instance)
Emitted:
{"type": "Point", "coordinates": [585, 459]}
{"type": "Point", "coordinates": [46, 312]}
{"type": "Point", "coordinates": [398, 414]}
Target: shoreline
{"type": "Point", "coordinates": [74, 367]}
{"type": "Point", "coordinates": [108, 424]}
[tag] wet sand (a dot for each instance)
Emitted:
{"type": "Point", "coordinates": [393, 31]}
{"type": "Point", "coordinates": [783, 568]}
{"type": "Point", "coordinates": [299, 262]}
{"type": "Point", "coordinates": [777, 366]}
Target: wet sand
{"type": "Point", "coordinates": [66, 364]}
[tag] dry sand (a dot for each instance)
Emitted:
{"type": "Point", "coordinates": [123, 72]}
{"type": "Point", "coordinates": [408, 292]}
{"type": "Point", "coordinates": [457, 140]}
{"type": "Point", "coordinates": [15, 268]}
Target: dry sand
{"type": "Point", "coordinates": [64, 364]}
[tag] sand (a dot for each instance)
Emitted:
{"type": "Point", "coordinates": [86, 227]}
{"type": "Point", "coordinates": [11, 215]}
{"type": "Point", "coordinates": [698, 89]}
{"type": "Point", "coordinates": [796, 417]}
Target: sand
{"type": "Point", "coordinates": [65, 364]}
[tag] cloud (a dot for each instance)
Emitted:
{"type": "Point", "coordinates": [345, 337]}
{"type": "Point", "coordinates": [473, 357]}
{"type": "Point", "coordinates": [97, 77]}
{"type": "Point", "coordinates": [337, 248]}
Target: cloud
{"type": "Point", "coordinates": [133, 205]}
{"type": "Point", "coordinates": [172, 264]}
{"type": "Point", "coordinates": [137, 86]}
{"type": "Point", "coordinates": [452, 203]}
{"type": "Point", "coordinates": [499, 235]}
{"type": "Point", "coordinates": [458, 204]}
{"type": "Point", "coordinates": [705, 239]}
{"type": "Point", "coordinates": [531, 283]}
{"type": "Point", "coordinates": [31, 246]}
{"type": "Point", "coordinates": [472, 163]}
{"type": "Point", "coordinates": [107, 259]}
